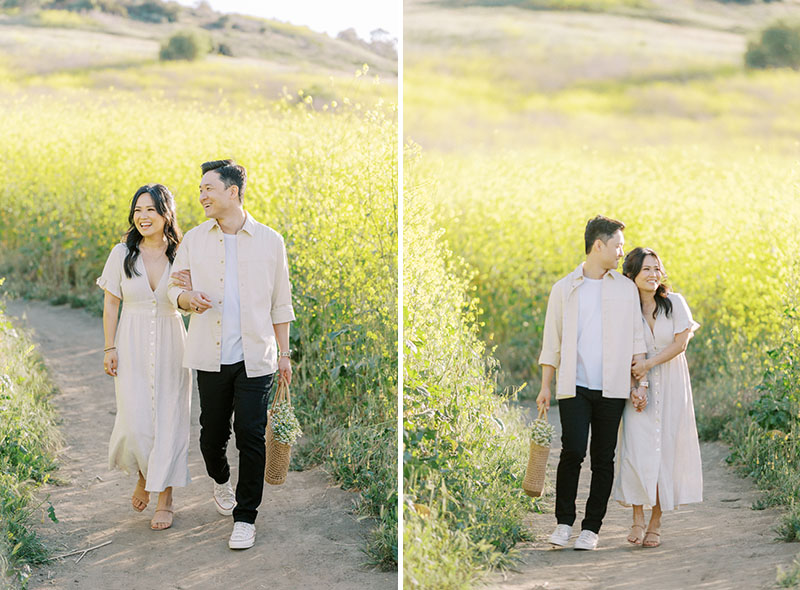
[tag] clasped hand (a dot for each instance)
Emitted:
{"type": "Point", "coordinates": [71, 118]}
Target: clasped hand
{"type": "Point", "coordinates": [639, 398]}
{"type": "Point", "coordinates": [198, 301]}
{"type": "Point", "coordinates": [639, 369]}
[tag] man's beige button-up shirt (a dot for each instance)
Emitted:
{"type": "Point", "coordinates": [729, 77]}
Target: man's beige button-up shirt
{"type": "Point", "coordinates": [264, 293]}
{"type": "Point", "coordinates": [623, 333]}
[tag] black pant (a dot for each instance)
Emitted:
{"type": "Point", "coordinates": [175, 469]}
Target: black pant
{"type": "Point", "coordinates": [231, 391]}
{"type": "Point", "coordinates": [587, 408]}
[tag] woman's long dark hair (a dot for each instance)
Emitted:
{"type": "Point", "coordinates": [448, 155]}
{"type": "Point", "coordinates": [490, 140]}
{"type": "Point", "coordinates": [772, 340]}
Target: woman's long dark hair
{"type": "Point", "coordinates": [633, 266]}
{"type": "Point", "coordinates": [165, 206]}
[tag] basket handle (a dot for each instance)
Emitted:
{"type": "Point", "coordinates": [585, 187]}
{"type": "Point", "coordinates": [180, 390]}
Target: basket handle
{"type": "Point", "coordinates": [283, 393]}
{"type": "Point", "coordinates": [542, 412]}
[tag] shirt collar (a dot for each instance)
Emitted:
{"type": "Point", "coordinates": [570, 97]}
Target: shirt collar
{"type": "Point", "coordinates": [576, 276]}
{"type": "Point", "coordinates": [249, 224]}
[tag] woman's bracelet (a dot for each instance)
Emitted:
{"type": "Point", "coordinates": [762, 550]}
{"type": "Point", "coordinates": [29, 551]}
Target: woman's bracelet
{"type": "Point", "coordinates": [108, 349]}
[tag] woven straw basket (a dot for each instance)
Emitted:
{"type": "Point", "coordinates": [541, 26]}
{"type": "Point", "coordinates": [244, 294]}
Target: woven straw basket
{"type": "Point", "coordinates": [533, 484]}
{"type": "Point", "coordinates": [278, 454]}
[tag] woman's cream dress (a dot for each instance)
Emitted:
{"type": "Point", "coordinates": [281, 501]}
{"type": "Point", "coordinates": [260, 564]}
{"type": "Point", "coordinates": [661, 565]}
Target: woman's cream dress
{"type": "Point", "coordinates": [659, 446]}
{"type": "Point", "coordinates": [153, 390]}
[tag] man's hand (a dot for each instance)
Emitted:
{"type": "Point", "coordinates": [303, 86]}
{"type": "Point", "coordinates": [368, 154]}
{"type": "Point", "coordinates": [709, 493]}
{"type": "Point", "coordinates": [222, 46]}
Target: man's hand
{"type": "Point", "coordinates": [285, 369]}
{"type": "Point", "coordinates": [198, 301]}
{"type": "Point", "coordinates": [639, 369]}
{"type": "Point", "coordinates": [543, 399]}
{"type": "Point", "coordinates": [182, 279]}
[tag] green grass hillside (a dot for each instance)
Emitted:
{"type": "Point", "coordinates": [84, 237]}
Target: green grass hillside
{"type": "Point", "coordinates": [94, 50]}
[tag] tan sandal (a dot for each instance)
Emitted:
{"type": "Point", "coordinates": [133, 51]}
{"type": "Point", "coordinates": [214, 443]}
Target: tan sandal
{"type": "Point", "coordinates": [651, 544]}
{"type": "Point", "coordinates": [636, 538]}
{"type": "Point", "coordinates": [140, 495]}
{"type": "Point", "coordinates": [167, 522]}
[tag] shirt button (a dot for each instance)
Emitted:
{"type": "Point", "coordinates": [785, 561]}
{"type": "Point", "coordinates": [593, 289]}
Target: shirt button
{"type": "Point", "coordinates": [217, 343]}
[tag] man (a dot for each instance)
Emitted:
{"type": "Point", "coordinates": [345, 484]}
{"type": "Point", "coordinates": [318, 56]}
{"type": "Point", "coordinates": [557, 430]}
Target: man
{"type": "Point", "coordinates": [592, 333]}
{"type": "Point", "coordinates": [241, 304]}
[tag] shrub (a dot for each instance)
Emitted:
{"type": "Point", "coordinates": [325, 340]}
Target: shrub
{"type": "Point", "coordinates": [765, 442]}
{"type": "Point", "coordinates": [27, 441]}
{"type": "Point", "coordinates": [153, 11]}
{"type": "Point", "coordinates": [225, 49]}
{"type": "Point", "coordinates": [186, 45]}
{"type": "Point", "coordinates": [464, 450]}
{"type": "Point", "coordinates": [778, 46]}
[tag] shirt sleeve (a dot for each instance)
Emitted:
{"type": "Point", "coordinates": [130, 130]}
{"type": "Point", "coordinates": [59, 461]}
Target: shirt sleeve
{"type": "Point", "coordinates": [111, 279]}
{"type": "Point", "coordinates": [682, 319]}
{"type": "Point", "coordinates": [282, 310]}
{"type": "Point", "coordinates": [181, 262]}
{"type": "Point", "coordinates": [551, 338]}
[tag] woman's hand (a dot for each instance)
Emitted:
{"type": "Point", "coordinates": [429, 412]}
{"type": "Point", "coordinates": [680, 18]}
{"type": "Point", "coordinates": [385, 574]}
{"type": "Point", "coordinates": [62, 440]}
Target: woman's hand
{"type": "Point", "coordinates": [639, 398]}
{"type": "Point", "coordinates": [182, 279]}
{"type": "Point", "coordinates": [110, 362]}
{"type": "Point", "coordinates": [198, 301]}
{"type": "Point", "coordinates": [639, 368]}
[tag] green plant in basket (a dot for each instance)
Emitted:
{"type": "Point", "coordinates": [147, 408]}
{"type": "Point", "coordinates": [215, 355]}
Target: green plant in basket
{"type": "Point", "coordinates": [285, 426]}
{"type": "Point", "coordinates": [542, 432]}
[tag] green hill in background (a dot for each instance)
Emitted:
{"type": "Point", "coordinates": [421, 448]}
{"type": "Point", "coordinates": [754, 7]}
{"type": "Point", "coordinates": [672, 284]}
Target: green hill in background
{"type": "Point", "coordinates": [100, 44]}
{"type": "Point", "coordinates": [501, 73]}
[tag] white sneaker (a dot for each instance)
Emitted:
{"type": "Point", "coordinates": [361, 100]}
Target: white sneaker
{"type": "Point", "coordinates": [243, 535]}
{"type": "Point", "coordinates": [561, 535]}
{"type": "Point", "coordinates": [587, 541]}
{"type": "Point", "coordinates": [224, 498]}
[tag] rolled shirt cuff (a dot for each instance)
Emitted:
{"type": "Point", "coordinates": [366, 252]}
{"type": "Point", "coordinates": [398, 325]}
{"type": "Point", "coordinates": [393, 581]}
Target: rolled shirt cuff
{"type": "Point", "coordinates": [548, 358]}
{"type": "Point", "coordinates": [282, 314]}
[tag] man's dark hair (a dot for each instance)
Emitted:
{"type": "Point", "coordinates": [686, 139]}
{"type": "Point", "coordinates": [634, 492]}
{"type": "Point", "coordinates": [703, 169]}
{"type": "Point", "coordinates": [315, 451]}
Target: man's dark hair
{"type": "Point", "coordinates": [600, 228]}
{"type": "Point", "coordinates": [229, 173]}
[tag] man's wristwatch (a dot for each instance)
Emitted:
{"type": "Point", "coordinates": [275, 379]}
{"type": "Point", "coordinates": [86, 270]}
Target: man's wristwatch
{"type": "Point", "coordinates": [287, 354]}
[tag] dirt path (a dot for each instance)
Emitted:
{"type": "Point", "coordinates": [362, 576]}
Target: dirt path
{"type": "Point", "coordinates": [719, 544]}
{"type": "Point", "coordinates": [308, 536]}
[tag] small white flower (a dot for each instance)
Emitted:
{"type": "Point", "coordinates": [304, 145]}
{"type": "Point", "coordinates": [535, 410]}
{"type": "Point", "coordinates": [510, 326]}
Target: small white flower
{"type": "Point", "coordinates": [542, 432]}
{"type": "Point", "coordinates": [285, 426]}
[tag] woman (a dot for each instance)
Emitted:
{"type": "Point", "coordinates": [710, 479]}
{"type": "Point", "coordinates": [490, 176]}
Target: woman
{"type": "Point", "coordinates": [659, 455]}
{"type": "Point", "coordinates": [144, 352]}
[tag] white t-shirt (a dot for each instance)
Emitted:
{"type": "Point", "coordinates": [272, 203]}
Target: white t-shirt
{"type": "Point", "coordinates": [231, 351]}
{"type": "Point", "coordinates": [589, 370]}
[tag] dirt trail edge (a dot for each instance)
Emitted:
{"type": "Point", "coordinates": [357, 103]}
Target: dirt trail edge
{"type": "Point", "coordinates": [308, 536]}
{"type": "Point", "coordinates": [719, 544]}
